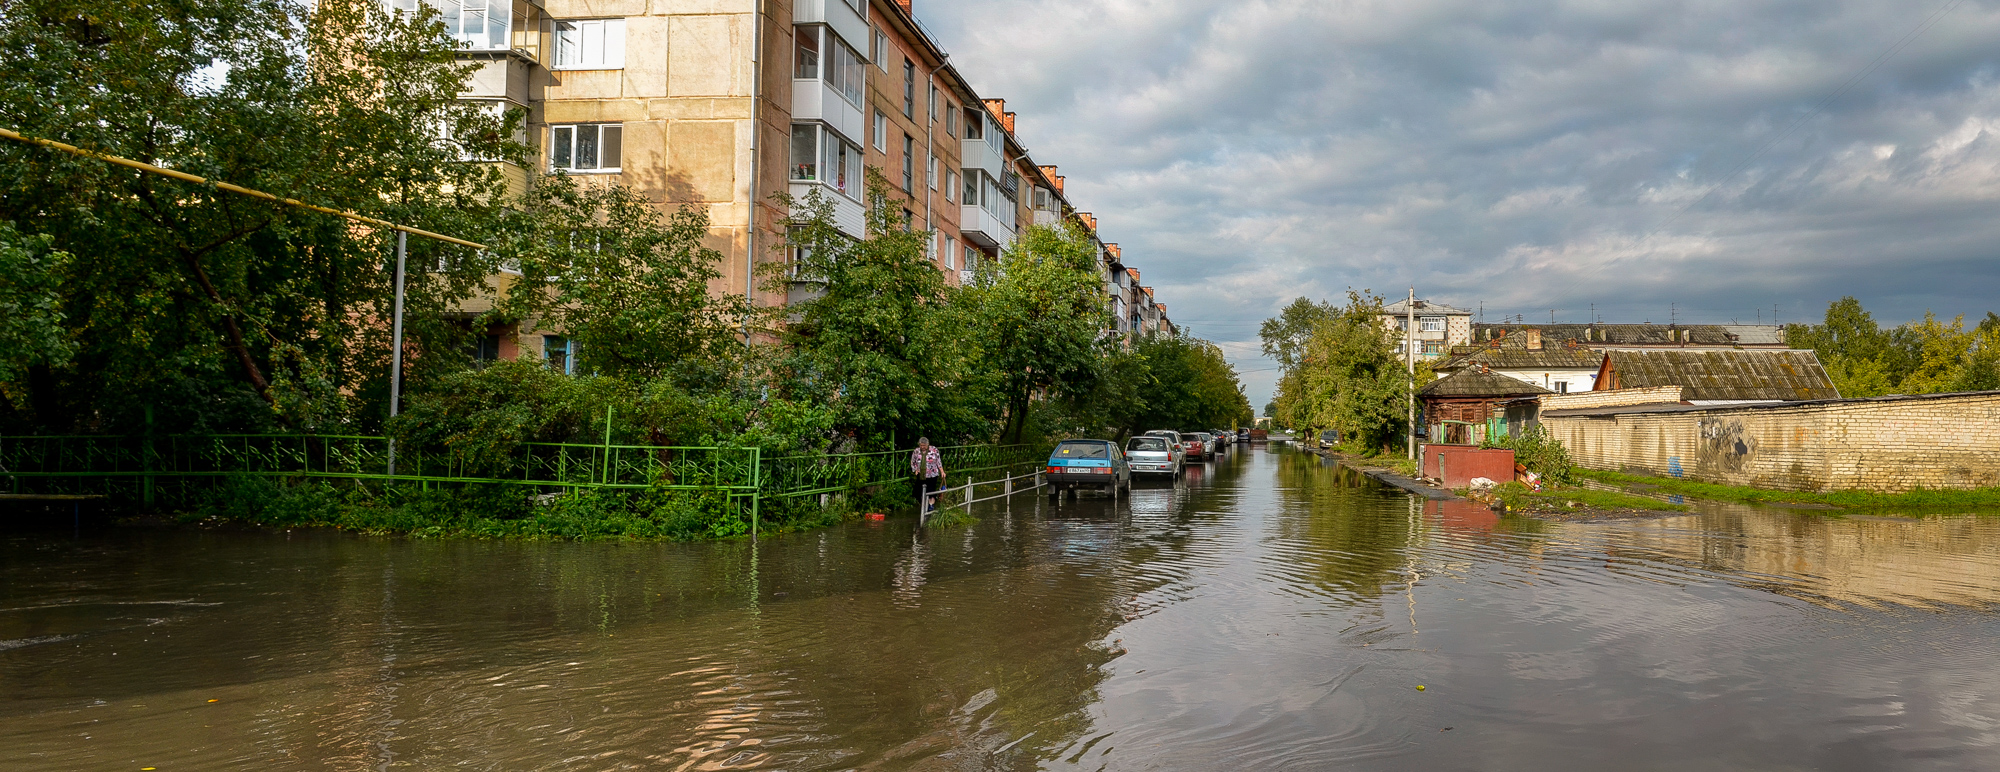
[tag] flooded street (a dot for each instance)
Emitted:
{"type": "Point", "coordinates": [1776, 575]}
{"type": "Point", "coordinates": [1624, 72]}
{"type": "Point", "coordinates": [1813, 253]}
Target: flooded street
{"type": "Point", "coordinates": [1268, 612]}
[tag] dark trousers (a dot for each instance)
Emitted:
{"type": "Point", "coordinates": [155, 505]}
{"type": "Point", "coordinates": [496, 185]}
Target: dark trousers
{"type": "Point", "coordinates": [932, 486]}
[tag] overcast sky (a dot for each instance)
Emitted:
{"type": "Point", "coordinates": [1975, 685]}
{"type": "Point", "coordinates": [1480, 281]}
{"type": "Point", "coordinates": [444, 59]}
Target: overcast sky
{"type": "Point", "coordinates": [1711, 156]}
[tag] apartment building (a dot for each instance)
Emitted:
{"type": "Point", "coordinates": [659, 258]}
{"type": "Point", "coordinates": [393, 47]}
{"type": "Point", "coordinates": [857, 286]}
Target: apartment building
{"type": "Point", "coordinates": [720, 104]}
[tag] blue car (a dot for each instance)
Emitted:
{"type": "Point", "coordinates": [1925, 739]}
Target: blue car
{"type": "Point", "coordinates": [1077, 464]}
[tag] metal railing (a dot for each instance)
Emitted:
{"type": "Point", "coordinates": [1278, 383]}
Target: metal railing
{"type": "Point", "coordinates": [177, 467]}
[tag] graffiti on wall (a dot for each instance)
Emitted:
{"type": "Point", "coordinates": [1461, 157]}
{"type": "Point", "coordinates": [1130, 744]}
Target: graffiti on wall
{"type": "Point", "coordinates": [1723, 446]}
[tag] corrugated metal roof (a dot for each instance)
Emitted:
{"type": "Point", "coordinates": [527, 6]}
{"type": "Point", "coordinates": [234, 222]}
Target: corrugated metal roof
{"type": "Point", "coordinates": [1644, 334]}
{"type": "Point", "coordinates": [1514, 354]}
{"type": "Point", "coordinates": [1599, 412]}
{"type": "Point", "coordinates": [1787, 374]}
{"type": "Point", "coordinates": [1473, 382]}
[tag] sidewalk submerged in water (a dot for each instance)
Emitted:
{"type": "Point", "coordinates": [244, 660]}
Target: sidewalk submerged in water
{"type": "Point", "coordinates": [1436, 493]}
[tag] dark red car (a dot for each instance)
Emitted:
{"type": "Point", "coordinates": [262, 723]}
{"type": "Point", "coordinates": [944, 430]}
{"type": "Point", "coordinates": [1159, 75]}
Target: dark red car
{"type": "Point", "coordinates": [1196, 447]}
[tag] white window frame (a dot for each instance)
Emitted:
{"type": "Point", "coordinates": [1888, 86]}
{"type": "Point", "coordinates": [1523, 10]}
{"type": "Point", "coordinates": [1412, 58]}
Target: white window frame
{"type": "Point", "coordinates": [575, 54]}
{"type": "Point", "coordinates": [836, 162]}
{"type": "Point", "coordinates": [950, 253]}
{"type": "Point", "coordinates": [454, 14]}
{"type": "Point", "coordinates": [931, 174]}
{"type": "Point", "coordinates": [950, 185]}
{"type": "Point", "coordinates": [881, 131]}
{"type": "Point", "coordinates": [1430, 324]}
{"type": "Point", "coordinates": [881, 54]}
{"type": "Point", "coordinates": [574, 133]}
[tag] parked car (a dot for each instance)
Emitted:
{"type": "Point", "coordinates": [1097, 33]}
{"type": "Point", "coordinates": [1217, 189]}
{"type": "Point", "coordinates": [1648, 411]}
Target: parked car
{"type": "Point", "coordinates": [1152, 454]}
{"type": "Point", "coordinates": [1197, 444]}
{"type": "Point", "coordinates": [1098, 464]}
{"type": "Point", "coordinates": [1221, 439]}
{"type": "Point", "coordinates": [1329, 438]}
{"type": "Point", "coordinates": [1243, 436]}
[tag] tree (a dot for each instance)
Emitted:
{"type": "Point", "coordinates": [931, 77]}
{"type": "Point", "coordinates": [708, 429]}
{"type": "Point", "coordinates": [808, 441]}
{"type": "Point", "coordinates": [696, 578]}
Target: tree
{"type": "Point", "coordinates": [230, 312]}
{"type": "Point", "coordinates": [629, 286]}
{"type": "Point", "coordinates": [1285, 335]}
{"type": "Point", "coordinates": [872, 332]}
{"type": "Point", "coordinates": [1346, 376]}
{"type": "Point", "coordinates": [31, 329]}
{"type": "Point", "coordinates": [1040, 313]}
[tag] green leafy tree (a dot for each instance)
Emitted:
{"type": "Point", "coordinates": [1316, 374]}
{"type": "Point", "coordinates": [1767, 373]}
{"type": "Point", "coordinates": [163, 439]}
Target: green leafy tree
{"type": "Point", "coordinates": [631, 287]}
{"type": "Point", "coordinates": [1285, 335]}
{"type": "Point", "coordinates": [1040, 313]}
{"type": "Point", "coordinates": [1347, 376]}
{"type": "Point", "coordinates": [31, 328]}
{"type": "Point", "coordinates": [228, 311]}
{"type": "Point", "coordinates": [872, 332]}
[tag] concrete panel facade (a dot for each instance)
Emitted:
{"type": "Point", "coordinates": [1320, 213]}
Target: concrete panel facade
{"type": "Point", "coordinates": [1884, 444]}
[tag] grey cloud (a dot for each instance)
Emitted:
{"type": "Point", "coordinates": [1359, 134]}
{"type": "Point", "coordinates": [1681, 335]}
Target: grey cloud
{"type": "Point", "coordinates": [1527, 155]}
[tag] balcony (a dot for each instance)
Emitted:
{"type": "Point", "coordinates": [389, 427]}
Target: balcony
{"type": "Point", "coordinates": [841, 15]}
{"type": "Point", "coordinates": [1048, 218]}
{"type": "Point", "coordinates": [848, 214]}
{"type": "Point", "coordinates": [983, 228]}
{"type": "Point", "coordinates": [983, 155]}
{"type": "Point", "coordinates": [816, 100]}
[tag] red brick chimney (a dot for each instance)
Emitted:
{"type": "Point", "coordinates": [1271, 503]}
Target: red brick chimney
{"type": "Point", "coordinates": [1054, 178]}
{"type": "Point", "coordinates": [1008, 121]}
{"type": "Point", "coordinates": [1113, 249]}
{"type": "Point", "coordinates": [906, 7]}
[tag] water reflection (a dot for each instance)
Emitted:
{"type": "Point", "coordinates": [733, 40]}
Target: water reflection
{"type": "Point", "coordinates": [1267, 611]}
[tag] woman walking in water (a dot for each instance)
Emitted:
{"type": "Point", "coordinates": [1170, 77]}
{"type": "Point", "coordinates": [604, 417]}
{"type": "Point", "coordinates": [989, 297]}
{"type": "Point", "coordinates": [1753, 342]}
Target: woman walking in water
{"type": "Point", "coordinates": [926, 463]}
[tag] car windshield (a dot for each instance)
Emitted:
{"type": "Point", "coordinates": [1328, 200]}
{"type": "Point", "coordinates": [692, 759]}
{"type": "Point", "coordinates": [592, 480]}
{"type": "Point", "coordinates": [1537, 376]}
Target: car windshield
{"type": "Point", "coordinates": [1156, 444]}
{"type": "Point", "coordinates": [1083, 450]}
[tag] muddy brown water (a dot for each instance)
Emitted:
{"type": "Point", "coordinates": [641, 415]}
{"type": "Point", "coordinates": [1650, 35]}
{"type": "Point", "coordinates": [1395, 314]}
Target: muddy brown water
{"type": "Point", "coordinates": [1268, 612]}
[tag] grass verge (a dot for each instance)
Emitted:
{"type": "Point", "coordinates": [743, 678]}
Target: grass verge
{"type": "Point", "coordinates": [1935, 501]}
{"type": "Point", "coordinates": [1517, 497]}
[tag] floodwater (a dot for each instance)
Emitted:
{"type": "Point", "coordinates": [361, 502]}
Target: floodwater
{"type": "Point", "coordinates": [1268, 612]}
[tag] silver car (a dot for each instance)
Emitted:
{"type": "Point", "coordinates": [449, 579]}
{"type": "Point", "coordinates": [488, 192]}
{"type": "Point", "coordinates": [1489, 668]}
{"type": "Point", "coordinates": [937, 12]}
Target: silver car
{"type": "Point", "coordinates": [1153, 454]}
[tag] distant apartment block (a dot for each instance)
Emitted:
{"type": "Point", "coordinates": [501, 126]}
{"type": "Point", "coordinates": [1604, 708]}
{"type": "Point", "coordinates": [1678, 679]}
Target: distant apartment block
{"type": "Point", "coordinates": [720, 104]}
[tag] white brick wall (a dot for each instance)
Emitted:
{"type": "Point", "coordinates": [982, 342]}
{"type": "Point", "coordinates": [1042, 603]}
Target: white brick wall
{"type": "Point", "coordinates": [1883, 445]}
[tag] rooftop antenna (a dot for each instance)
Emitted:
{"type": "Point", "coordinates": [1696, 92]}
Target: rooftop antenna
{"type": "Point", "coordinates": [1552, 317]}
{"type": "Point", "coordinates": [1673, 315]}
{"type": "Point", "coordinates": [1774, 313]}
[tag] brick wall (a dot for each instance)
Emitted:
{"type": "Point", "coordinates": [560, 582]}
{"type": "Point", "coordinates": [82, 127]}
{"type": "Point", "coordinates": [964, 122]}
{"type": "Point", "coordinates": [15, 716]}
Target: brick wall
{"type": "Point", "coordinates": [1881, 444]}
{"type": "Point", "coordinates": [1578, 400]}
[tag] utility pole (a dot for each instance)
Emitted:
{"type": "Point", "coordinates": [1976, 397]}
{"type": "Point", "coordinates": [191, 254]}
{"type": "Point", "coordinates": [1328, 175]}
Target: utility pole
{"type": "Point", "coordinates": [1410, 362]}
{"type": "Point", "coordinates": [396, 345]}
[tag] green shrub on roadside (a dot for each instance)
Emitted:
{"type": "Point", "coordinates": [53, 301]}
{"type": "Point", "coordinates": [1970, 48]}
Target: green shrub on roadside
{"type": "Point", "coordinates": [1540, 453]}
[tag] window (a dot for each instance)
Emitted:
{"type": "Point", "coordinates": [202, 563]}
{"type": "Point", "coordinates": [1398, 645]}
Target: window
{"type": "Point", "coordinates": [1562, 387]}
{"type": "Point", "coordinates": [586, 147]}
{"type": "Point", "coordinates": [805, 151]}
{"type": "Point", "coordinates": [933, 106]}
{"type": "Point", "coordinates": [822, 156]}
{"type": "Point", "coordinates": [817, 53]}
{"type": "Point", "coordinates": [881, 56]}
{"type": "Point", "coordinates": [909, 163]}
{"type": "Point", "coordinates": [950, 119]}
{"type": "Point", "coordinates": [1433, 347]}
{"type": "Point", "coordinates": [1044, 200]}
{"type": "Point", "coordinates": [1431, 324]}
{"type": "Point", "coordinates": [971, 188]}
{"type": "Point", "coordinates": [950, 184]}
{"type": "Point", "coordinates": [592, 44]}
{"type": "Point", "coordinates": [930, 174]}
{"type": "Point", "coordinates": [881, 131]}
{"type": "Point", "coordinates": [475, 24]}
{"type": "Point", "coordinates": [484, 349]}
{"type": "Point", "coordinates": [560, 354]}
{"type": "Point", "coordinates": [805, 54]}
{"type": "Point", "coordinates": [950, 252]}
{"type": "Point", "coordinates": [845, 72]}
{"type": "Point", "coordinates": [971, 258]}
{"type": "Point", "coordinates": [909, 89]}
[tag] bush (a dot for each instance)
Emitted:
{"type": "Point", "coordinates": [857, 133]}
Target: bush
{"type": "Point", "coordinates": [1540, 453]}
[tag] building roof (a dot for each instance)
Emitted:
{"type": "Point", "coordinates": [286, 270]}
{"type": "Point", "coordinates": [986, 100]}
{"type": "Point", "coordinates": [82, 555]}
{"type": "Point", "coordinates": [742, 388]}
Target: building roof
{"type": "Point", "coordinates": [1474, 382]}
{"type": "Point", "coordinates": [1671, 407]}
{"type": "Point", "coordinates": [1424, 307]}
{"type": "Point", "coordinates": [1513, 354]}
{"type": "Point", "coordinates": [1712, 374]}
{"type": "Point", "coordinates": [1769, 335]}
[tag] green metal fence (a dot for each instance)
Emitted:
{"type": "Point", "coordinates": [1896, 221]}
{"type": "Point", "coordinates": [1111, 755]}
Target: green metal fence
{"type": "Point", "coordinates": [175, 468]}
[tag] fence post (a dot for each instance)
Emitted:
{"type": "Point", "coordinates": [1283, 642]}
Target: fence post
{"type": "Point", "coordinates": [604, 476]}
{"type": "Point", "coordinates": [146, 458]}
{"type": "Point", "coordinates": [756, 488]}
